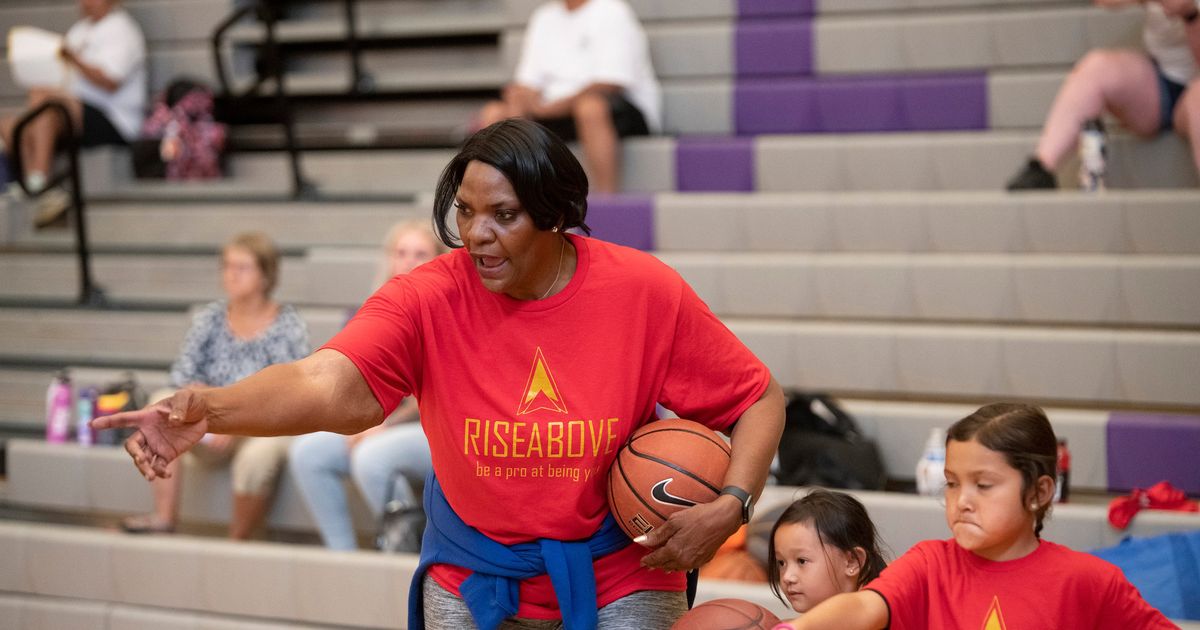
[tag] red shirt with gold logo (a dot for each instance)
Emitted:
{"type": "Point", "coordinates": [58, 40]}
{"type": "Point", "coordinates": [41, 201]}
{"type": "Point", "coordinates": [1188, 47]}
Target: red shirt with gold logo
{"type": "Point", "coordinates": [526, 403]}
{"type": "Point", "coordinates": [938, 584]}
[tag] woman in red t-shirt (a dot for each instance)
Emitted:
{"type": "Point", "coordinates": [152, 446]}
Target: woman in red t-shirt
{"type": "Point", "coordinates": [533, 355]}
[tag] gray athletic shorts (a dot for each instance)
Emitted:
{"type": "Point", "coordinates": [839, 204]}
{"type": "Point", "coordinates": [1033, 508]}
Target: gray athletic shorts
{"type": "Point", "coordinates": [643, 610]}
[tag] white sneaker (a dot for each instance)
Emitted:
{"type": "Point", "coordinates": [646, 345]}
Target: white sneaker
{"type": "Point", "coordinates": [52, 209]}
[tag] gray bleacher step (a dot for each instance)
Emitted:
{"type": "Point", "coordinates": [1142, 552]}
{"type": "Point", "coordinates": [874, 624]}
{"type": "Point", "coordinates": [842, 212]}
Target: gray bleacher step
{"type": "Point", "coordinates": [951, 161]}
{"type": "Point", "coordinates": [832, 7]}
{"type": "Point", "coordinates": [1143, 368]}
{"type": "Point", "coordinates": [1121, 291]}
{"type": "Point", "coordinates": [166, 225]}
{"type": "Point", "coordinates": [779, 163]}
{"type": "Point", "coordinates": [1009, 36]}
{"type": "Point", "coordinates": [108, 172]}
{"type": "Point", "coordinates": [138, 338]}
{"type": "Point", "coordinates": [376, 22]}
{"type": "Point", "coordinates": [1082, 366]}
{"type": "Point", "coordinates": [1117, 222]}
{"type": "Point", "coordinates": [23, 389]}
{"type": "Point", "coordinates": [134, 278]}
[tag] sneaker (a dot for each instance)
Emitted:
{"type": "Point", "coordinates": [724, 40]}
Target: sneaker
{"type": "Point", "coordinates": [52, 209]}
{"type": "Point", "coordinates": [1033, 177]}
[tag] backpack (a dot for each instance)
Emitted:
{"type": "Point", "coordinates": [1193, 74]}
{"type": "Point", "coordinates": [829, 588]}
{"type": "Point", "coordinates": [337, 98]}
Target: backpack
{"type": "Point", "coordinates": [124, 394]}
{"type": "Point", "coordinates": [402, 525]}
{"type": "Point", "coordinates": [181, 138]}
{"type": "Point", "coordinates": [823, 446]}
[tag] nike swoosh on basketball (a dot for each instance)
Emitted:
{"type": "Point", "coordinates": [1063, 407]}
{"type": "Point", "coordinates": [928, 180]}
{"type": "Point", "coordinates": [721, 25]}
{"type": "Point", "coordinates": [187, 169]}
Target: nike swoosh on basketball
{"type": "Point", "coordinates": [660, 494]}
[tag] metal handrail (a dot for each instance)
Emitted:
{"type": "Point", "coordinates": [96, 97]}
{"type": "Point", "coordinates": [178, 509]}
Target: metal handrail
{"type": "Point", "coordinates": [271, 67]}
{"type": "Point", "coordinates": [89, 292]}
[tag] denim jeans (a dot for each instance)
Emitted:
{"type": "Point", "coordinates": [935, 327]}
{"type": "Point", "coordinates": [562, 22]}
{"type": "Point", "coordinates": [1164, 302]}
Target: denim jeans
{"type": "Point", "coordinates": [320, 463]}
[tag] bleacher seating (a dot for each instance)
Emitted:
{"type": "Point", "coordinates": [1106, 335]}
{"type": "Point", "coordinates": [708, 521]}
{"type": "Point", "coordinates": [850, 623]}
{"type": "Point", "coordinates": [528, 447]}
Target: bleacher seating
{"type": "Point", "coordinates": [829, 182]}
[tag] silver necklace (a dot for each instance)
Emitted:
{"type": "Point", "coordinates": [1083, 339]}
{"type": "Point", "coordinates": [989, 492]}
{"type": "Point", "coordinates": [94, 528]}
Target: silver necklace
{"type": "Point", "coordinates": [561, 249]}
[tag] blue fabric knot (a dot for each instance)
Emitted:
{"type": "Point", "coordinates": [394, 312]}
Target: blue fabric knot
{"type": "Point", "coordinates": [491, 592]}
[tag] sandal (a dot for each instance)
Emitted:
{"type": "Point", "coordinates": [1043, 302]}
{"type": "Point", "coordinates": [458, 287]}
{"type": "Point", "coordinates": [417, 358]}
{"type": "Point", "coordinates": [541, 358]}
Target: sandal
{"type": "Point", "coordinates": [145, 524]}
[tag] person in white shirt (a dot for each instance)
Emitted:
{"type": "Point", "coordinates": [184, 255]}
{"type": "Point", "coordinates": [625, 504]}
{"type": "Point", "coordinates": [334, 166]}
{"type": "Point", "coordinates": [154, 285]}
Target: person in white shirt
{"type": "Point", "coordinates": [585, 73]}
{"type": "Point", "coordinates": [1149, 91]}
{"type": "Point", "coordinates": [105, 52]}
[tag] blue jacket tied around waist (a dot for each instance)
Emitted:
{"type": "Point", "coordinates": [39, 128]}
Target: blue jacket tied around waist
{"type": "Point", "coordinates": [491, 592]}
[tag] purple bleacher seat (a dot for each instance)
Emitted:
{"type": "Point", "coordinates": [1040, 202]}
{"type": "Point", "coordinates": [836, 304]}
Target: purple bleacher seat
{"type": "Point", "coordinates": [776, 106]}
{"type": "Point", "coordinates": [759, 8]}
{"type": "Point", "coordinates": [773, 47]}
{"type": "Point", "coordinates": [714, 164]}
{"type": "Point", "coordinates": [953, 101]}
{"type": "Point", "coordinates": [858, 104]}
{"type": "Point", "coordinates": [623, 219]}
{"type": "Point", "coordinates": [1145, 448]}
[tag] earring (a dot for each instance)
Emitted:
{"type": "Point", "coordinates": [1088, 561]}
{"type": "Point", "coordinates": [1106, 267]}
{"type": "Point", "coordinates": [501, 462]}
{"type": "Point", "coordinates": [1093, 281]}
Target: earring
{"type": "Point", "coordinates": [1033, 507]}
{"type": "Point", "coordinates": [852, 571]}
{"type": "Point", "coordinates": [554, 229]}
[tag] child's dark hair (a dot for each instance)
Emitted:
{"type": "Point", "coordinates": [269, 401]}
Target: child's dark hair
{"type": "Point", "coordinates": [841, 521]}
{"type": "Point", "coordinates": [1022, 433]}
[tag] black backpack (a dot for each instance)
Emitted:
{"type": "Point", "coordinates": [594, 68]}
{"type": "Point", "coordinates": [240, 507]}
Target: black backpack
{"type": "Point", "coordinates": [823, 446]}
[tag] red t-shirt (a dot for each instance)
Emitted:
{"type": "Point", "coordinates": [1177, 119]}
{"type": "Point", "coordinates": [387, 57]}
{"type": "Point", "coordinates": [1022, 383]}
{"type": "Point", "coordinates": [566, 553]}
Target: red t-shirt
{"type": "Point", "coordinates": [526, 403]}
{"type": "Point", "coordinates": [938, 584]}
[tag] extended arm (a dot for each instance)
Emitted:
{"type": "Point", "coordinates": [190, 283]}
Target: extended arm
{"type": "Point", "coordinates": [863, 610]}
{"type": "Point", "coordinates": [323, 392]}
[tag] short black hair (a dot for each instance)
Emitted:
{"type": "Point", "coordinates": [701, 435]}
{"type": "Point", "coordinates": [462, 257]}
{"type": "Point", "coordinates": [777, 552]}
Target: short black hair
{"type": "Point", "coordinates": [548, 180]}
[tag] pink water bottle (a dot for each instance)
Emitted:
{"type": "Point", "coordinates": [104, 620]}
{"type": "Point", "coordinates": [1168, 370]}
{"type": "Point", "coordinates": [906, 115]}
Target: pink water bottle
{"type": "Point", "coordinates": [58, 409]}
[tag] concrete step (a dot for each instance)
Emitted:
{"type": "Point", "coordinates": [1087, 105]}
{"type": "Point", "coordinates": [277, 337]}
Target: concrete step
{"type": "Point", "coordinates": [1058, 365]}
{"type": "Point", "coordinates": [1119, 222]}
{"type": "Point", "coordinates": [1119, 291]}
{"type": "Point", "coordinates": [139, 338]}
{"type": "Point", "coordinates": [1144, 291]}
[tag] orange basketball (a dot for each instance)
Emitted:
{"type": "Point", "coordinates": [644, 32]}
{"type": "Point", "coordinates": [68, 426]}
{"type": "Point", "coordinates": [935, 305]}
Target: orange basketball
{"type": "Point", "coordinates": [727, 614]}
{"type": "Point", "coordinates": [666, 466]}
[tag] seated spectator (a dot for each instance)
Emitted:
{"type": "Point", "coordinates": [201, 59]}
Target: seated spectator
{"type": "Point", "coordinates": [585, 73]}
{"type": "Point", "coordinates": [320, 462]}
{"type": "Point", "coordinates": [229, 340]}
{"type": "Point", "coordinates": [1149, 92]}
{"type": "Point", "coordinates": [106, 96]}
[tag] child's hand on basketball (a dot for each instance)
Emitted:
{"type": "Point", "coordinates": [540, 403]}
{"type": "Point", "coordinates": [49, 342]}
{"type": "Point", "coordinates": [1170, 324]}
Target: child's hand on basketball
{"type": "Point", "coordinates": [691, 537]}
{"type": "Point", "coordinates": [166, 429]}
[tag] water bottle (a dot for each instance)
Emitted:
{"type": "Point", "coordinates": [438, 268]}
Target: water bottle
{"type": "Point", "coordinates": [931, 468]}
{"type": "Point", "coordinates": [85, 411]}
{"type": "Point", "coordinates": [58, 409]}
{"type": "Point", "coordinates": [1062, 490]}
{"type": "Point", "coordinates": [1093, 156]}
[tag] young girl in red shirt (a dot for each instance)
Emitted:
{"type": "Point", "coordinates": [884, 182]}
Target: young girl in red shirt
{"type": "Point", "coordinates": [996, 572]}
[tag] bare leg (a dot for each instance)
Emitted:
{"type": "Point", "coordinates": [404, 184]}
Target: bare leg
{"type": "Point", "coordinates": [249, 511]}
{"type": "Point", "coordinates": [593, 123]}
{"type": "Point", "coordinates": [1187, 119]}
{"type": "Point", "coordinates": [1121, 81]}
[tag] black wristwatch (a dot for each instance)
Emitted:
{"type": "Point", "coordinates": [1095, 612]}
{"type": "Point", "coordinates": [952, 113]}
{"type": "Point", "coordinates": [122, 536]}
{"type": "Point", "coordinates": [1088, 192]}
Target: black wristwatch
{"type": "Point", "coordinates": [745, 498]}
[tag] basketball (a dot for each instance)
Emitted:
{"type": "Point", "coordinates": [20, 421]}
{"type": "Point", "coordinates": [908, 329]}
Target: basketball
{"type": "Point", "coordinates": [727, 614]}
{"type": "Point", "coordinates": [666, 466]}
